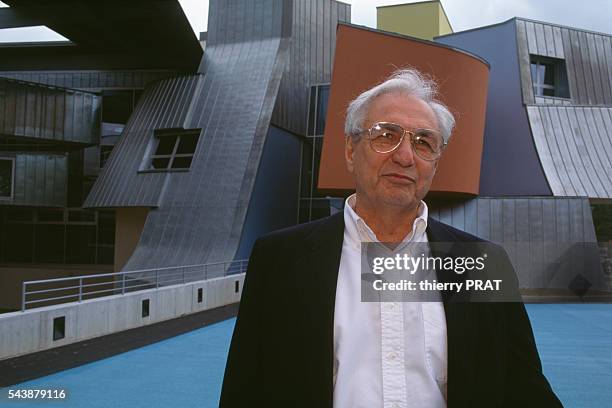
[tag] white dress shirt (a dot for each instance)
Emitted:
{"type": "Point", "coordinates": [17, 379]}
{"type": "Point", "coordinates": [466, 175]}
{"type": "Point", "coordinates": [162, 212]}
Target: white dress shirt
{"type": "Point", "coordinates": [386, 354]}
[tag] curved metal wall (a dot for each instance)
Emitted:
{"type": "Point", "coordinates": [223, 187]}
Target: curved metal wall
{"type": "Point", "coordinates": [575, 147]}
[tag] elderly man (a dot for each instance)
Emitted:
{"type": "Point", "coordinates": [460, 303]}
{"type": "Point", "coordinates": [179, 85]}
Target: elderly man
{"type": "Point", "coordinates": [304, 337]}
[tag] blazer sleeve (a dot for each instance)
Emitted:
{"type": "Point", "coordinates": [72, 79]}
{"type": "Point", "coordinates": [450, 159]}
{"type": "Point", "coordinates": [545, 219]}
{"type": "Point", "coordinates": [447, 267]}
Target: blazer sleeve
{"type": "Point", "coordinates": [526, 385]}
{"type": "Point", "coordinates": [240, 382]}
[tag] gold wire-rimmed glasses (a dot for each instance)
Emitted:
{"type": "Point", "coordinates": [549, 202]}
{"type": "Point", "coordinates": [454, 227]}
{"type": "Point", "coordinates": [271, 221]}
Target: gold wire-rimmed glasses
{"type": "Point", "coordinates": [385, 137]}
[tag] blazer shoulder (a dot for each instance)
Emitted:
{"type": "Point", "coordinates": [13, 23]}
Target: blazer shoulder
{"type": "Point", "coordinates": [304, 233]}
{"type": "Point", "coordinates": [445, 232]}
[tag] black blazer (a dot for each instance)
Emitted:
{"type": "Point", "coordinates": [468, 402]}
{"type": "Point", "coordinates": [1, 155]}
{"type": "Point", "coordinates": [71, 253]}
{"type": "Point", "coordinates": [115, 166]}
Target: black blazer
{"type": "Point", "coordinates": [281, 352]}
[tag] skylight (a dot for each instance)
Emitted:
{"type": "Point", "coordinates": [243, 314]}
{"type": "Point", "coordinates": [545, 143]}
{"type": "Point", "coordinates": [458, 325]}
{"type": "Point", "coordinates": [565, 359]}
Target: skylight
{"type": "Point", "coordinates": [29, 34]}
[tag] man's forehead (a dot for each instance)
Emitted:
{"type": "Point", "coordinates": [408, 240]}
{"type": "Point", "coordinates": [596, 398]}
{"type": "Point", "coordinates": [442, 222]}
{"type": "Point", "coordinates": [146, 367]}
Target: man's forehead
{"type": "Point", "coordinates": [401, 107]}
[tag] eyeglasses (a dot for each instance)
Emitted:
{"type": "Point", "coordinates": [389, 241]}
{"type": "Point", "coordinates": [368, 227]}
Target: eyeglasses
{"type": "Point", "coordinates": [385, 137]}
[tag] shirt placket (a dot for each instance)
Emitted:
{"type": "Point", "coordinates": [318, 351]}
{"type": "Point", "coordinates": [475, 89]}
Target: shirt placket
{"type": "Point", "coordinates": [392, 355]}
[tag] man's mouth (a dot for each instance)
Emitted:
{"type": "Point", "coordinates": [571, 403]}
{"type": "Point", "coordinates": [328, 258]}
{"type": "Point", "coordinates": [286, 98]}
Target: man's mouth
{"type": "Point", "coordinates": [399, 178]}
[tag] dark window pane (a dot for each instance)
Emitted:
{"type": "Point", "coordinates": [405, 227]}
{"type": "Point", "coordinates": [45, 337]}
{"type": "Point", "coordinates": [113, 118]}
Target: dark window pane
{"type": "Point", "coordinates": [81, 244]}
{"type": "Point", "coordinates": [6, 177]}
{"type": "Point", "coordinates": [160, 163]}
{"type": "Point", "coordinates": [549, 74]}
{"type": "Point", "coordinates": [311, 110]}
{"type": "Point", "coordinates": [81, 215]}
{"type": "Point", "coordinates": [322, 109]}
{"type": "Point", "coordinates": [181, 163]}
{"type": "Point", "coordinates": [18, 214]}
{"type": "Point", "coordinates": [188, 143]}
{"type": "Point", "coordinates": [534, 73]}
{"type": "Point", "coordinates": [549, 92]}
{"type": "Point", "coordinates": [306, 172]}
{"type": "Point", "coordinates": [165, 145]}
{"type": "Point", "coordinates": [50, 215]}
{"type": "Point", "coordinates": [49, 245]}
{"type": "Point", "coordinates": [106, 227]}
{"type": "Point", "coordinates": [105, 152]}
{"type": "Point", "coordinates": [18, 242]}
{"type": "Point", "coordinates": [116, 106]}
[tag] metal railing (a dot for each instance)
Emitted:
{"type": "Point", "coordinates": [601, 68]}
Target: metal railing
{"type": "Point", "coordinates": [78, 288]}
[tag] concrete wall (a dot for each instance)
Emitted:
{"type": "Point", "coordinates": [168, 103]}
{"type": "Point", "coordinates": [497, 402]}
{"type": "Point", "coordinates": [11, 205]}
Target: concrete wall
{"type": "Point", "coordinates": [129, 223]}
{"type": "Point", "coordinates": [31, 331]}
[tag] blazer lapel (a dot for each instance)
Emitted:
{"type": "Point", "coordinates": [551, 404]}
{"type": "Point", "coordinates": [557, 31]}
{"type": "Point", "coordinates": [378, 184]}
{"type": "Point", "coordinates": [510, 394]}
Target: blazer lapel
{"type": "Point", "coordinates": [462, 328]}
{"type": "Point", "coordinates": [319, 266]}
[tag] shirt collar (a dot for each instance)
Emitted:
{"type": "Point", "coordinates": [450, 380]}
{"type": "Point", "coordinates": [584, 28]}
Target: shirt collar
{"type": "Point", "coordinates": [358, 230]}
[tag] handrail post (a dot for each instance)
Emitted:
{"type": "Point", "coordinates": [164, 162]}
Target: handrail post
{"type": "Point", "coordinates": [23, 295]}
{"type": "Point", "coordinates": [123, 284]}
{"type": "Point", "coordinates": [183, 276]}
{"type": "Point", "coordinates": [80, 289]}
{"type": "Point", "coordinates": [156, 278]}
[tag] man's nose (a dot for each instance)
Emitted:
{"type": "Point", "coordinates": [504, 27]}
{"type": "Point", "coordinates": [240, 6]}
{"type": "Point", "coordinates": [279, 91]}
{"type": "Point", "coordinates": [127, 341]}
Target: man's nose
{"type": "Point", "coordinates": [404, 154]}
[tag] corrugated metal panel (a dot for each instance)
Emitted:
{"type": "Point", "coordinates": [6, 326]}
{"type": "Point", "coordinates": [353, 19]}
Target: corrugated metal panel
{"type": "Point", "coordinates": [311, 58]}
{"type": "Point", "coordinates": [165, 104]}
{"type": "Point", "coordinates": [201, 212]}
{"type": "Point", "coordinates": [39, 179]}
{"type": "Point", "coordinates": [92, 79]}
{"type": "Point", "coordinates": [587, 55]}
{"type": "Point", "coordinates": [575, 148]}
{"type": "Point", "coordinates": [539, 234]}
{"type": "Point", "coordinates": [44, 112]}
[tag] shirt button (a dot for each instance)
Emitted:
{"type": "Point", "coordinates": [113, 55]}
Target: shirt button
{"type": "Point", "coordinates": [389, 306]}
{"type": "Point", "coordinates": [392, 356]}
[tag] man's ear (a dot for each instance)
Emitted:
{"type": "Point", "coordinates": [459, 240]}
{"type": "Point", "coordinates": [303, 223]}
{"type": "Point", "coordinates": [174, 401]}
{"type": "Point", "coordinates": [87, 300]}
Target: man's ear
{"type": "Point", "coordinates": [349, 150]}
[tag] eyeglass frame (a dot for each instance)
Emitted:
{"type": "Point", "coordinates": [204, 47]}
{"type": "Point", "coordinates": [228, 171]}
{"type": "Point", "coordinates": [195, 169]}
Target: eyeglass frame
{"type": "Point", "coordinates": [412, 136]}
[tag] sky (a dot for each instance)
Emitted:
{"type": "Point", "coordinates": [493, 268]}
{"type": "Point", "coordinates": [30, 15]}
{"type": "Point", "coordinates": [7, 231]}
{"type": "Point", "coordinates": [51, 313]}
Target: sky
{"type": "Point", "coordinates": [595, 15]}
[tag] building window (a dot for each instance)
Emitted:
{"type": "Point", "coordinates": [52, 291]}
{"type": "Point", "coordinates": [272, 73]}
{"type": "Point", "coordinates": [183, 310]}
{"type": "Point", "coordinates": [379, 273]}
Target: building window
{"type": "Point", "coordinates": [6, 178]}
{"type": "Point", "coordinates": [313, 204]}
{"type": "Point", "coordinates": [549, 77]}
{"type": "Point", "coordinates": [172, 149]}
{"type": "Point", "coordinates": [319, 97]}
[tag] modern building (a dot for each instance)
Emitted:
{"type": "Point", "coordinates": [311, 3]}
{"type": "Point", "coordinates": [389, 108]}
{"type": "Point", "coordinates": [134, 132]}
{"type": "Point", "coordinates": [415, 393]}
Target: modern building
{"type": "Point", "coordinates": [185, 155]}
{"type": "Point", "coordinates": [63, 106]}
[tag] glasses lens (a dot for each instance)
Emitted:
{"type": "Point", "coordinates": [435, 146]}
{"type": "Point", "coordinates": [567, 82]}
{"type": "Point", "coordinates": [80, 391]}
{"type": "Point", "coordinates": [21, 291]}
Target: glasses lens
{"type": "Point", "coordinates": [427, 144]}
{"type": "Point", "coordinates": [385, 137]}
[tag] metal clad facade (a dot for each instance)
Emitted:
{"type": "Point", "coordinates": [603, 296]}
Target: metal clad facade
{"type": "Point", "coordinates": [92, 80]}
{"type": "Point", "coordinates": [43, 112]}
{"type": "Point", "coordinates": [201, 212]}
{"type": "Point", "coordinates": [311, 56]}
{"type": "Point", "coordinates": [575, 148]}
{"type": "Point", "coordinates": [163, 105]}
{"type": "Point", "coordinates": [587, 55]}
{"type": "Point", "coordinates": [38, 180]}
{"type": "Point", "coordinates": [533, 230]}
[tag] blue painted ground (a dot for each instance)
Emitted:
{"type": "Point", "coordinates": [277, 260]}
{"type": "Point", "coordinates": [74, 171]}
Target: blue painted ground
{"type": "Point", "coordinates": [575, 343]}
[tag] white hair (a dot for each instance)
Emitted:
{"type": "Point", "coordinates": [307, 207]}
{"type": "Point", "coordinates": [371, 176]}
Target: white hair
{"type": "Point", "coordinates": [406, 81]}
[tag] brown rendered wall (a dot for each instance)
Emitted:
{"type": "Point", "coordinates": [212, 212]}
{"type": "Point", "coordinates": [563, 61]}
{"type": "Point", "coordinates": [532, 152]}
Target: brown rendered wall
{"type": "Point", "coordinates": [129, 224]}
{"type": "Point", "coordinates": [365, 57]}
